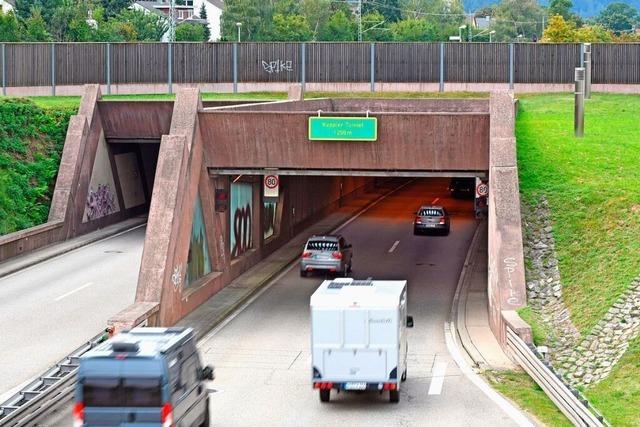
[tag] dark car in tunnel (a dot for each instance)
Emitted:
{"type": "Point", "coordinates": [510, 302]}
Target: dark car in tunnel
{"type": "Point", "coordinates": [462, 188]}
{"type": "Point", "coordinates": [431, 219]}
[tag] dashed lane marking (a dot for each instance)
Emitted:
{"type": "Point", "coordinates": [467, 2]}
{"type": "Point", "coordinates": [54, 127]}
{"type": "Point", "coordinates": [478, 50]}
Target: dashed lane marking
{"type": "Point", "coordinates": [395, 245]}
{"type": "Point", "coordinates": [437, 380]}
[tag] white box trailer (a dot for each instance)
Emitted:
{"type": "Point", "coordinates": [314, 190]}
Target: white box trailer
{"type": "Point", "coordinates": [358, 336]}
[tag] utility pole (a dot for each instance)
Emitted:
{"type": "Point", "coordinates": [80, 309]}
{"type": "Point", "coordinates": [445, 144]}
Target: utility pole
{"type": "Point", "coordinates": [359, 20]}
{"type": "Point", "coordinates": [172, 17]}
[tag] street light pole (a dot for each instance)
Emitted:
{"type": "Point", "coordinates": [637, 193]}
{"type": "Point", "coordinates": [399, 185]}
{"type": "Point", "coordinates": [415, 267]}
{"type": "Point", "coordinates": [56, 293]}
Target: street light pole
{"type": "Point", "coordinates": [359, 20]}
{"type": "Point", "coordinates": [490, 34]}
{"type": "Point", "coordinates": [172, 28]}
{"type": "Point", "coordinates": [460, 28]}
{"type": "Point", "coordinates": [238, 24]}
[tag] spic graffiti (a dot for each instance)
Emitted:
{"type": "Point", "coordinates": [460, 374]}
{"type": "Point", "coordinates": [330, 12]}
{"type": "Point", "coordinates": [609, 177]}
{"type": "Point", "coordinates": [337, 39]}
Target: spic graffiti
{"type": "Point", "coordinates": [241, 218]}
{"type": "Point", "coordinates": [100, 202]}
{"type": "Point", "coordinates": [198, 262]}
{"type": "Point", "coordinates": [269, 224]}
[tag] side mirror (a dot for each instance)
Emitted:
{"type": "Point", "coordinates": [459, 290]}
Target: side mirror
{"type": "Point", "coordinates": [409, 321]}
{"type": "Point", "coordinates": [207, 373]}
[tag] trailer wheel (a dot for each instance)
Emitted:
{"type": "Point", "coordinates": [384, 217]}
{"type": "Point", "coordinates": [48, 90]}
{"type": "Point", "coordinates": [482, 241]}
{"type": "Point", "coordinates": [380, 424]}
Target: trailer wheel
{"type": "Point", "coordinates": [325, 395]}
{"type": "Point", "coordinates": [394, 396]}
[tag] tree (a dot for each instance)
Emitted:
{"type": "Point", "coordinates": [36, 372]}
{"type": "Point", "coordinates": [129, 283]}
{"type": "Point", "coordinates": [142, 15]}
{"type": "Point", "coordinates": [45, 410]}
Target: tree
{"type": "Point", "coordinates": [412, 29]}
{"type": "Point", "coordinates": [255, 16]}
{"type": "Point", "coordinates": [203, 16]}
{"type": "Point", "coordinates": [375, 28]}
{"type": "Point", "coordinates": [290, 28]}
{"type": "Point", "coordinates": [47, 7]}
{"type": "Point", "coordinates": [341, 27]}
{"type": "Point", "coordinates": [594, 34]}
{"type": "Point", "coordinates": [562, 8]}
{"type": "Point", "coordinates": [286, 7]}
{"type": "Point", "coordinates": [147, 26]}
{"type": "Point", "coordinates": [114, 7]}
{"type": "Point", "coordinates": [9, 27]}
{"type": "Point", "coordinates": [518, 17]}
{"type": "Point", "coordinates": [618, 17]}
{"type": "Point", "coordinates": [559, 31]}
{"type": "Point", "coordinates": [35, 29]}
{"type": "Point", "coordinates": [317, 13]}
{"type": "Point", "coordinates": [190, 32]}
{"type": "Point", "coordinates": [389, 9]}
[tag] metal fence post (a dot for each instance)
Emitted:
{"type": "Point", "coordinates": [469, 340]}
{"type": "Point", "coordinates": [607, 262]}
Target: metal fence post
{"type": "Point", "coordinates": [235, 68]}
{"type": "Point", "coordinates": [53, 69]}
{"type": "Point", "coordinates": [373, 67]}
{"type": "Point", "coordinates": [578, 113]}
{"type": "Point", "coordinates": [303, 65]}
{"type": "Point", "coordinates": [441, 67]}
{"type": "Point", "coordinates": [170, 67]}
{"type": "Point", "coordinates": [581, 55]}
{"type": "Point", "coordinates": [109, 68]}
{"type": "Point", "coordinates": [511, 67]}
{"type": "Point", "coordinates": [587, 70]}
{"type": "Point", "coordinates": [4, 71]}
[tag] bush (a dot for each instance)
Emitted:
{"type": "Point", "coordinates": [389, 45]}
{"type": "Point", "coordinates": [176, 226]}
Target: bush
{"type": "Point", "coordinates": [31, 142]}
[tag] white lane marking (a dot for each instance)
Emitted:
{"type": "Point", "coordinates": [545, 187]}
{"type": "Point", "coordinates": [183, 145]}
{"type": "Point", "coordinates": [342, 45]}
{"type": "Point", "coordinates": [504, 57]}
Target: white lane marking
{"type": "Point", "coordinates": [435, 200]}
{"type": "Point", "coordinates": [275, 280]}
{"type": "Point", "coordinates": [395, 245]}
{"type": "Point", "coordinates": [452, 345]}
{"type": "Point", "coordinates": [437, 379]}
{"type": "Point", "coordinates": [86, 285]}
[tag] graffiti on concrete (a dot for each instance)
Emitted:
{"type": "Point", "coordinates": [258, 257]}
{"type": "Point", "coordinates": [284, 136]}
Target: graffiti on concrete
{"type": "Point", "coordinates": [510, 265]}
{"type": "Point", "coordinates": [277, 66]}
{"type": "Point", "coordinates": [269, 224]}
{"type": "Point", "coordinates": [198, 262]}
{"type": "Point", "coordinates": [176, 277]}
{"type": "Point", "coordinates": [100, 202]}
{"type": "Point", "coordinates": [241, 218]}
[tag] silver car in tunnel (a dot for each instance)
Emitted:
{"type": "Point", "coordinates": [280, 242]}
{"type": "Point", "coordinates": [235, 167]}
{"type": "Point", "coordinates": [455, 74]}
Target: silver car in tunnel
{"type": "Point", "coordinates": [328, 254]}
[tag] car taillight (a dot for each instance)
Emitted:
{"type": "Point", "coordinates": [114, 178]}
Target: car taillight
{"type": "Point", "coordinates": [166, 416]}
{"type": "Point", "coordinates": [78, 414]}
{"type": "Point", "coordinates": [418, 220]}
{"type": "Point", "coordinates": [390, 386]}
{"type": "Point", "coordinates": [442, 220]}
{"type": "Point", "coordinates": [336, 255]}
{"type": "Point", "coordinates": [306, 254]}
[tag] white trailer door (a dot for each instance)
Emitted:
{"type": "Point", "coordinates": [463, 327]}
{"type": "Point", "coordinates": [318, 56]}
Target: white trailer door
{"type": "Point", "coordinates": [355, 365]}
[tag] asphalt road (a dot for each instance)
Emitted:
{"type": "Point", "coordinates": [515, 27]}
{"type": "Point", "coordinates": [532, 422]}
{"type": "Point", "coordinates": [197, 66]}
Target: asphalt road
{"type": "Point", "coordinates": [50, 309]}
{"type": "Point", "coordinates": [262, 357]}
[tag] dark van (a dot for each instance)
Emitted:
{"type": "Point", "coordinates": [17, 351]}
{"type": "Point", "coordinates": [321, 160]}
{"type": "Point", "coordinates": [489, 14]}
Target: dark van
{"type": "Point", "coordinates": [143, 377]}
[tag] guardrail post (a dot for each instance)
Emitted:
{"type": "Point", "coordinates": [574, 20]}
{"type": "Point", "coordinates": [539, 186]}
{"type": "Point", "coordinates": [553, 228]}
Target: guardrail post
{"type": "Point", "coordinates": [235, 68]}
{"type": "Point", "coordinates": [170, 67]}
{"type": "Point", "coordinates": [373, 67]}
{"type": "Point", "coordinates": [108, 68]}
{"type": "Point", "coordinates": [441, 67]}
{"type": "Point", "coordinates": [53, 69]}
{"type": "Point", "coordinates": [4, 71]}
{"type": "Point", "coordinates": [303, 66]}
{"type": "Point", "coordinates": [511, 67]}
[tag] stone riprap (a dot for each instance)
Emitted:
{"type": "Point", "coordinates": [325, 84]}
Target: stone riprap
{"type": "Point", "coordinates": [580, 361]}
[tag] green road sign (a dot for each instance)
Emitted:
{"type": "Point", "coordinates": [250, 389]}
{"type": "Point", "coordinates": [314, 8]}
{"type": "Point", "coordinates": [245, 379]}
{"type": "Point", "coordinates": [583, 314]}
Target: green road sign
{"type": "Point", "coordinates": [343, 128]}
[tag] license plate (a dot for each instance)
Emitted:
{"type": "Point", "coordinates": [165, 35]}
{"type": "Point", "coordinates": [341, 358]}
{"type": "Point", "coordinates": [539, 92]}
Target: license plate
{"type": "Point", "coordinates": [355, 386]}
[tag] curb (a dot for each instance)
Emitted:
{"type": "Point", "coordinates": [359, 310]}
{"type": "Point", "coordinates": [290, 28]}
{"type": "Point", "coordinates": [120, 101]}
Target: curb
{"type": "Point", "coordinates": [38, 259]}
{"type": "Point", "coordinates": [200, 334]}
{"type": "Point", "coordinates": [458, 306]}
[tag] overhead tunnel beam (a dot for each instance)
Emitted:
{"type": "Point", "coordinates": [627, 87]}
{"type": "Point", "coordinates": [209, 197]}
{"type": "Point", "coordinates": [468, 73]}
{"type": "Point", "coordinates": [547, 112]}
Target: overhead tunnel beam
{"type": "Point", "coordinates": [214, 172]}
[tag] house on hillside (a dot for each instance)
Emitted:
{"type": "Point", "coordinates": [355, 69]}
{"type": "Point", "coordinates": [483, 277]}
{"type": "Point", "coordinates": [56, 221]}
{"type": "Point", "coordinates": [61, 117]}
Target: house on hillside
{"type": "Point", "coordinates": [482, 22]}
{"type": "Point", "coordinates": [189, 11]}
{"type": "Point", "coordinates": [7, 5]}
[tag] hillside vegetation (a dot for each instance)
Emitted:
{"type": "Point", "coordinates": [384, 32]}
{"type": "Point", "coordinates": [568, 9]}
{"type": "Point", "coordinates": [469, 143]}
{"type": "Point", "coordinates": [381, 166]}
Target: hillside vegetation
{"type": "Point", "coordinates": [31, 142]}
{"type": "Point", "coordinates": [592, 186]}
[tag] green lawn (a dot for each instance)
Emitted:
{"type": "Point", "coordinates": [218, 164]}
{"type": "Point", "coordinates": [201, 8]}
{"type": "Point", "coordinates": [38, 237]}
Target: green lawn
{"type": "Point", "coordinates": [522, 390]}
{"type": "Point", "coordinates": [593, 188]}
{"type": "Point", "coordinates": [74, 101]}
{"type": "Point", "coordinates": [592, 185]}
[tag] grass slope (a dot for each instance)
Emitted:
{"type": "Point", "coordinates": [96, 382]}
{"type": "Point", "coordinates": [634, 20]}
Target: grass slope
{"type": "Point", "coordinates": [593, 188]}
{"type": "Point", "coordinates": [31, 141]}
{"type": "Point", "coordinates": [592, 185]}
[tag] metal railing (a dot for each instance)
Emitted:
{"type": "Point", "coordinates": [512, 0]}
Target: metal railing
{"type": "Point", "coordinates": [47, 392]}
{"type": "Point", "coordinates": [570, 401]}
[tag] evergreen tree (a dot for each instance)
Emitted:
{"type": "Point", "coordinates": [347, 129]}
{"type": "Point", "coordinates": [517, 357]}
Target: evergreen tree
{"type": "Point", "coordinates": [203, 16]}
{"type": "Point", "coordinates": [9, 27]}
{"type": "Point", "coordinates": [390, 9]}
{"type": "Point", "coordinates": [35, 29]}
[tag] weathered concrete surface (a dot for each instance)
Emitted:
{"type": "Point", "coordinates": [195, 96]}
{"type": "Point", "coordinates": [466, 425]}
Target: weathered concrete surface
{"type": "Point", "coordinates": [507, 289]}
{"type": "Point", "coordinates": [406, 141]}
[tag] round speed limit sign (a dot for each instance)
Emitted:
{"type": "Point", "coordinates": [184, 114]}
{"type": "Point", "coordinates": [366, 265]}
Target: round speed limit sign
{"type": "Point", "coordinates": [482, 189]}
{"type": "Point", "coordinates": [271, 181]}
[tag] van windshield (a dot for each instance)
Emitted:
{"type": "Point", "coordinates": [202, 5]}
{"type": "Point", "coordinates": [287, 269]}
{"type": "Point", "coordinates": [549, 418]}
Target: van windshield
{"type": "Point", "coordinates": [119, 392]}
